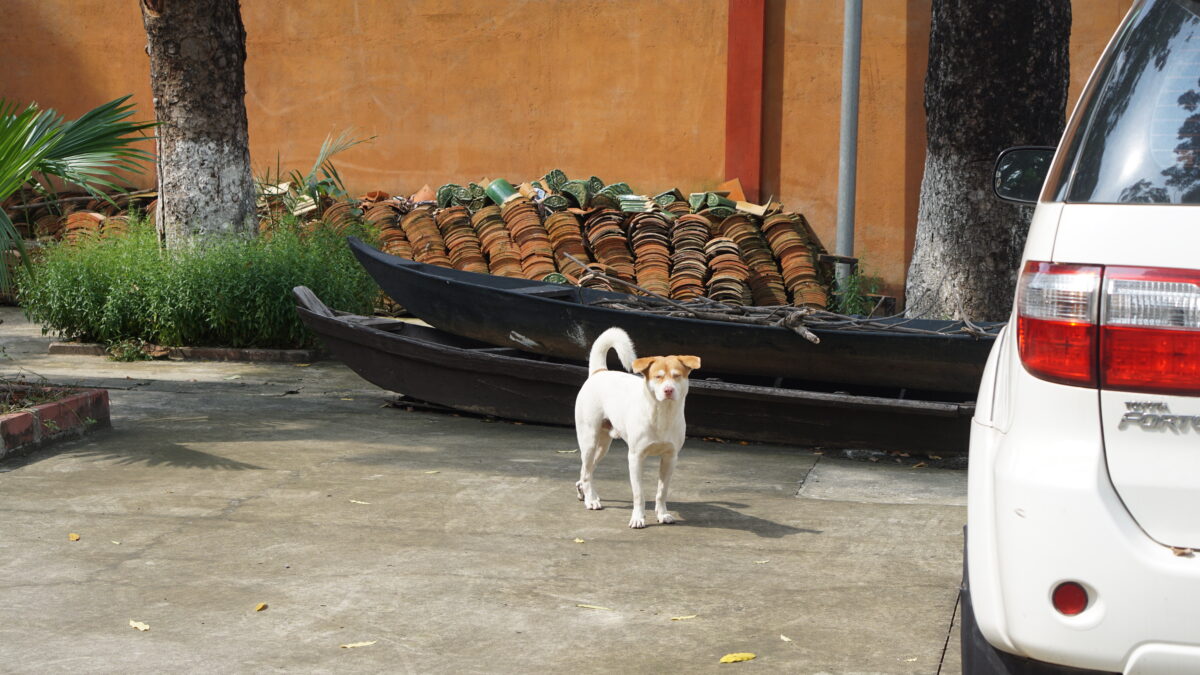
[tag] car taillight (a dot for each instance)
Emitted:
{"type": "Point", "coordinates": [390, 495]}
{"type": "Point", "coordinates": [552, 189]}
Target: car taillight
{"type": "Point", "coordinates": [1146, 339]}
{"type": "Point", "coordinates": [1150, 330]}
{"type": "Point", "coordinates": [1056, 321]}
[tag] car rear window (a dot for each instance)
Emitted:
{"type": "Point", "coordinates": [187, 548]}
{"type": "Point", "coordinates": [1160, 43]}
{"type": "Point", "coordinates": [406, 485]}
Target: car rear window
{"type": "Point", "coordinates": [1140, 137]}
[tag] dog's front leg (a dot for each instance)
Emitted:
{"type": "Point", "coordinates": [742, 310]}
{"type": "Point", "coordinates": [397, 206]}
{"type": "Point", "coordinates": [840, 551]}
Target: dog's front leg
{"type": "Point", "coordinates": [638, 519]}
{"type": "Point", "coordinates": [665, 467]}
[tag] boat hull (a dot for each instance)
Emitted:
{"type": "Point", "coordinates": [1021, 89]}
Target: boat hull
{"type": "Point", "coordinates": [560, 321]}
{"type": "Point", "coordinates": [465, 374]}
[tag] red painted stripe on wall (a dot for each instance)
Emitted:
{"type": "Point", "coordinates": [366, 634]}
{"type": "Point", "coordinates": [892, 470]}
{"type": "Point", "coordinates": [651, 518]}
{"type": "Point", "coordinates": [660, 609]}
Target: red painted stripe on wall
{"type": "Point", "coordinates": [743, 95]}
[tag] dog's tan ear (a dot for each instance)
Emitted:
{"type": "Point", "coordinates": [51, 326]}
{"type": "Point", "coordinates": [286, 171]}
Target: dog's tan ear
{"type": "Point", "coordinates": [640, 366]}
{"type": "Point", "coordinates": [692, 362]}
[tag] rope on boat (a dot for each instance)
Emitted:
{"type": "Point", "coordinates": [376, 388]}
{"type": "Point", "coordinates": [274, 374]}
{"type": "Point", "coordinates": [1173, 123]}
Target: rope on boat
{"type": "Point", "coordinates": [799, 320]}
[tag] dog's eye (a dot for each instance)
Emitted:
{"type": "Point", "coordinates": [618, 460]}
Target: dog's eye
{"type": "Point", "coordinates": [658, 376]}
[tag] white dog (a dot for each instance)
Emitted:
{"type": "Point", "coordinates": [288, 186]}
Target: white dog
{"type": "Point", "coordinates": [646, 411]}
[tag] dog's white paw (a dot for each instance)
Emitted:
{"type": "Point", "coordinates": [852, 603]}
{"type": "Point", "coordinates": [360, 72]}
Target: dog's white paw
{"type": "Point", "coordinates": [579, 489]}
{"type": "Point", "coordinates": [666, 518]}
{"type": "Point", "coordinates": [637, 521]}
{"type": "Point", "coordinates": [593, 504]}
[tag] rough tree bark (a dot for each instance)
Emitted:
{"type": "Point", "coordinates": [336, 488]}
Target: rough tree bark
{"type": "Point", "coordinates": [998, 75]}
{"type": "Point", "coordinates": [197, 55]}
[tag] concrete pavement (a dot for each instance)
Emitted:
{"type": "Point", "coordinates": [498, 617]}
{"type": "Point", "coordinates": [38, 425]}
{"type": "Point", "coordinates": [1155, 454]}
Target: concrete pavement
{"type": "Point", "coordinates": [448, 543]}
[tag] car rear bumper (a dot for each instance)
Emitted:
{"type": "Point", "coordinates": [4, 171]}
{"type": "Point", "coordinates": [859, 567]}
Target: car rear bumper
{"type": "Point", "coordinates": [1043, 511]}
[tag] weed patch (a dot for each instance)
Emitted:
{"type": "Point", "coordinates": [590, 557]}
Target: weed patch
{"type": "Point", "coordinates": [233, 292]}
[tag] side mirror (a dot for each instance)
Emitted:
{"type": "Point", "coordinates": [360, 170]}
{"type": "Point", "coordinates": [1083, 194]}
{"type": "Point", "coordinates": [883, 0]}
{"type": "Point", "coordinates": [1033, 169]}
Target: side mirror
{"type": "Point", "coordinates": [1020, 173]}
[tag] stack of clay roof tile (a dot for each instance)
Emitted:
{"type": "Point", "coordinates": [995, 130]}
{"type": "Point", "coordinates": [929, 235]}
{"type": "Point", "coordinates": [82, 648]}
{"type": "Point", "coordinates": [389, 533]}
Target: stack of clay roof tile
{"type": "Point", "coordinates": [689, 263]}
{"type": "Point", "coordinates": [592, 278]}
{"type": "Point", "coordinates": [683, 247]}
{"type": "Point", "coordinates": [766, 284]}
{"type": "Point", "coordinates": [82, 224]}
{"type": "Point", "coordinates": [727, 281]}
{"type": "Point", "coordinates": [790, 244]}
{"type": "Point", "coordinates": [341, 215]}
{"type": "Point", "coordinates": [386, 216]}
{"type": "Point", "coordinates": [651, 239]}
{"type": "Point", "coordinates": [566, 237]}
{"type": "Point", "coordinates": [465, 251]}
{"type": "Point", "coordinates": [531, 238]}
{"type": "Point", "coordinates": [422, 232]}
{"type": "Point", "coordinates": [609, 244]}
{"type": "Point", "coordinates": [503, 257]}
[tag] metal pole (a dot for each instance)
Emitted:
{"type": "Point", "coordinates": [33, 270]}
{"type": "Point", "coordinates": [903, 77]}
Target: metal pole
{"type": "Point", "coordinates": [848, 146]}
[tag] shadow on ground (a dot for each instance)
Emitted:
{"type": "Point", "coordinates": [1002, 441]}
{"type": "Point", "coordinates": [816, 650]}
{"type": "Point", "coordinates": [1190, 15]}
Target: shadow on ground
{"type": "Point", "coordinates": [717, 515]}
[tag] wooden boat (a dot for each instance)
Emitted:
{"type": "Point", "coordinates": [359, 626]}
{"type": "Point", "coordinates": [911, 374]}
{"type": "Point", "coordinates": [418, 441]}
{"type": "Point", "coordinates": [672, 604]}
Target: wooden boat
{"type": "Point", "coordinates": [465, 374]}
{"type": "Point", "coordinates": [562, 321]}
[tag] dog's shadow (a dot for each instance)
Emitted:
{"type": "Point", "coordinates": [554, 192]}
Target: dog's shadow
{"type": "Point", "coordinates": [721, 515]}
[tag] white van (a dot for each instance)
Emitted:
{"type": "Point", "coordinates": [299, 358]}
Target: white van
{"type": "Point", "coordinates": [1083, 536]}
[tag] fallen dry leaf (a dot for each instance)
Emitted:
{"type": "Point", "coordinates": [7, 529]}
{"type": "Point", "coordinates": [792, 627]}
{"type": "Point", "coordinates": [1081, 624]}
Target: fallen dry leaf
{"type": "Point", "coordinates": [116, 542]}
{"type": "Point", "coordinates": [347, 398]}
{"type": "Point", "coordinates": [565, 452]}
{"type": "Point", "coordinates": [1181, 552]}
{"type": "Point", "coordinates": [354, 645]}
{"type": "Point", "coordinates": [578, 540]}
{"type": "Point", "coordinates": [784, 638]}
{"type": "Point", "coordinates": [920, 465]}
{"type": "Point", "coordinates": [683, 618]}
{"type": "Point", "coordinates": [303, 365]}
{"type": "Point", "coordinates": [607, 609]}
{"type": "Point", "coordinates": [433, 472]}
{"type": "Point", "coordinates": [738, 656]}
{"type": "Point", "coordinates": [234, 377]}
{"type": "Point", "coordinates": [935, 457]}
{"type": "Point", "coordinates": [260, 606]}
{"type": "Point", "coordinates": [355, 501]}
{"type": "Point", "coordinates": [761, 562]}
{"type": "Point", "coordinates": [139, 625]}
{"type": "Point", "coordinates": [72, 536]}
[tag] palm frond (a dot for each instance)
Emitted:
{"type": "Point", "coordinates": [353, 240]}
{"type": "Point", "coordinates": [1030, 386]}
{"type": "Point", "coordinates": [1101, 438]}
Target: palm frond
{"type": "Point", "coordinates": [26, 138]}
{"type": "Point", "coordinates": [332, 146]}
{"type": "Point", "coordinates": [98, 147]}
{"type": "Point", "coordinates": [90, 152]}
{"type": "Point", "coordinates": [10, 239]}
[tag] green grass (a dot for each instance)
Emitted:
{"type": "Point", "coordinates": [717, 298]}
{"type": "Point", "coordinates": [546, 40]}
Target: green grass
{"type": "Point", "coordinates": [234, 292]}
{"type": "Point", "coordinates": [852, 297]}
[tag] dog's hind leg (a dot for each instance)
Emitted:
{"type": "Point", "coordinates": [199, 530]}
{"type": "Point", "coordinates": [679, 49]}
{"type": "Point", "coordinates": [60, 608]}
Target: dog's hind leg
{"type": "Point", "coordinates": [593, 445]}
{"type": "Point", "coordinates": [665, 468]}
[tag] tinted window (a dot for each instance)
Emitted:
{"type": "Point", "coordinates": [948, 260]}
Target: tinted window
{"type": "Point", "coordinates": [1141, 135]}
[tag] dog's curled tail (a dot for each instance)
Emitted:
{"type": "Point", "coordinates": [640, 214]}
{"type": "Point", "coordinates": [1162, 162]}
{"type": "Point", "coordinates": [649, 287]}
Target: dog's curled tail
{"type": "Point", "coordinates": [613, 338]}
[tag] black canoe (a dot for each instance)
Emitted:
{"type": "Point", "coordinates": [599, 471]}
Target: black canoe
{"type": "Point", "coordinates": [557, 320]}
{"type": "Point", "coordinates": [435, 366]}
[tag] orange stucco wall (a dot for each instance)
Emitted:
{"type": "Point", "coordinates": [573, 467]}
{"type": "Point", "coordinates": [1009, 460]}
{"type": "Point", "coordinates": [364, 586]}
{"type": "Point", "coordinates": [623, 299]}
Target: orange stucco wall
{"type": "Point", "coordinates": [458, 90]}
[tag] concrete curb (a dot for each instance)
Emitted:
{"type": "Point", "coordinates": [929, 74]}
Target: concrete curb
{"type": "Point", "coordinates": [197, 353]}
{"type": "Point", "coordinates": [66, 418]}
{"type": "Point", "coordinates": [77, 349]}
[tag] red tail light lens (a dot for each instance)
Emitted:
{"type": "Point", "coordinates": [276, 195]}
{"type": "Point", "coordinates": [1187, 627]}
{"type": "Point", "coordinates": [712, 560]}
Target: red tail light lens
{"type": "Point", "coordinates": [1150, 332]}
{"type": "Point", "coordinates": [1147, 339]}
{"type": "Point", "coordinates": [1056, 321]}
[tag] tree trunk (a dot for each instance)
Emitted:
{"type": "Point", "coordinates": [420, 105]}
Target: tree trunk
{"type": "Point", "coordinates": [998, 76]}
{"type": "Point", "coordinates": [197, 55]}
